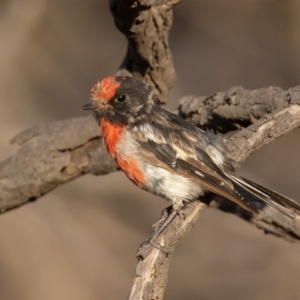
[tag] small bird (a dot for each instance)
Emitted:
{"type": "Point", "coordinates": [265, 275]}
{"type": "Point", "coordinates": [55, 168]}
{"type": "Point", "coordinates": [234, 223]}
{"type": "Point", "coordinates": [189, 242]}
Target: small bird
{"type": "Point", "coordinates": [166, 155]}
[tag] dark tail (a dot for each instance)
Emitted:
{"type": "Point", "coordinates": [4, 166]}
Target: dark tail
{"type": "Point", "coordinates": [249, 189]}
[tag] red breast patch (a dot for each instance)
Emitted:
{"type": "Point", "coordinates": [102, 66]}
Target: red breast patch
{"type": "Point", "coordinates": [112, 134]}
{"type": "Point", "coordinates": [132, 169]}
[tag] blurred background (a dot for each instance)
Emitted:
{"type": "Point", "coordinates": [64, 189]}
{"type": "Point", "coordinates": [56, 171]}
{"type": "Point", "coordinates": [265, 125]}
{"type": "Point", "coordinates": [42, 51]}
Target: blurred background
{"type": "Point", "coordinates": [79, 241]}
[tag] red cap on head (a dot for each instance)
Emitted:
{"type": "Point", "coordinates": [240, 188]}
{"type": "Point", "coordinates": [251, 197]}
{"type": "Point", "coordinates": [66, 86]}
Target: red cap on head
{"type": "Point", "coordinates": [105, 89]}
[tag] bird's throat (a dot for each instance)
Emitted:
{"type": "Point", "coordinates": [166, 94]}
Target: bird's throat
{"type": "Point", "coordinates": [111, 134]}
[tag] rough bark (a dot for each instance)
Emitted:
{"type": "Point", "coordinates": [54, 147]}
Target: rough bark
{"type": "Point", "coordinates": [236, 108]}
{"type": "Point", "coordinates": [146, 24]}
{"type": "Point", "coordinates": [151, 273]}
{"type": "Point", "coordinates": [51, 154]}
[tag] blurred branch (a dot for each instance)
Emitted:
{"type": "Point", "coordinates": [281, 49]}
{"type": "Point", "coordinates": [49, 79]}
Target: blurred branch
{"type": "Point", "coordinates": [270, 220]}
{"type": "Point", "coordinates": [51, 155]}
{"type": "Point", "coordinates": [58, 152]}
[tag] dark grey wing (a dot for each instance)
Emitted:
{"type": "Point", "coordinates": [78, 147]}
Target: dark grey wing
{"type": "Point", "coordinates": [163, 152]}
{"type": "Point", "coordinates": [205, 173]}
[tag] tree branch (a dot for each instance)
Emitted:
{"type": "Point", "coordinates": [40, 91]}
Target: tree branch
{"type": "Point", "coordinates": [146, 24]}
{"type": "Point", "coordinates": [151, 275]}
{"type": "Point", "coordinates": [236, 108]}
{"type": "Point", "coordinates": [51, 155]}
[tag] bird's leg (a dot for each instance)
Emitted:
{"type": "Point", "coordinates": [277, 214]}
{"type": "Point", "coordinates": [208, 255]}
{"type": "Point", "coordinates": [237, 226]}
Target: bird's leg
{"type": "Point", "coordinates": [175, 210]}
{"type": "Point", "coordinates": [164, 225]}
{"type": "Point", "coordinates": [157, 233]}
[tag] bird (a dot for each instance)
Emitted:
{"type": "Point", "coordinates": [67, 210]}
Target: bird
{"type": "Point", "coordinates": [167, 156]}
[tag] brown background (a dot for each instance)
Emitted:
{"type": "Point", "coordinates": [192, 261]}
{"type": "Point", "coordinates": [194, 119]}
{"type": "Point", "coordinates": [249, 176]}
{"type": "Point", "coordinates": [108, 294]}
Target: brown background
{"type": "Point", "coordinates": [79, 241]}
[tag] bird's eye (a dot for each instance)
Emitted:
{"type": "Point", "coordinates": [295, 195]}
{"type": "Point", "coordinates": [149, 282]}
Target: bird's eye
{"type": "Point", "coordinates": [121, 98]}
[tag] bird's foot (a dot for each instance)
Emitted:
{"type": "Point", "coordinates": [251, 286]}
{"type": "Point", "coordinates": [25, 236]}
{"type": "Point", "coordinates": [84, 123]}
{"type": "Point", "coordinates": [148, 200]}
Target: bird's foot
{"type": "Point", "coordinates": [160, 227]}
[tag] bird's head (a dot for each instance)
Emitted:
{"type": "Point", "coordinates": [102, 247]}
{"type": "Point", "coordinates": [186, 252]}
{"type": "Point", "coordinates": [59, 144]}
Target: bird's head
{"type": "Point", "coordinates": [120, 99]}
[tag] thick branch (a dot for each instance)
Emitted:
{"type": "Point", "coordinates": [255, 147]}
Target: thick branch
{"type": "Point", "coordinates": [146, 24]}
{"type": "Point", "coordinates": [51, 155]}
{"type": "Point", "coordinates": [263, 132]}
{"type": "Point", "coordinates": [151, 272]}
{"type": "Point", "coordinates": [237, 107]}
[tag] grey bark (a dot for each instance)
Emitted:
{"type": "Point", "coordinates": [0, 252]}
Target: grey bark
{"type": "Point", "coordinates": [146, 24]}
{"type": "Point", "coordinates": [236, 108]}
{"type": "Point", "coordinates": [51, 154]}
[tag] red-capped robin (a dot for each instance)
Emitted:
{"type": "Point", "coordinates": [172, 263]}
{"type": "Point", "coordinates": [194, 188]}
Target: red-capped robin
{"type": "Point", "coordinates": [167, 156]}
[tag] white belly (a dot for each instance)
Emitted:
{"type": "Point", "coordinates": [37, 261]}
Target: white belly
{"type": "Point", "coordinates": [172, 186]}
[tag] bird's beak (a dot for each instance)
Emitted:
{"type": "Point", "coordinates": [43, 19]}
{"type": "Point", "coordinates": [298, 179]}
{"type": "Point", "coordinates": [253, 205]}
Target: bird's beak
{"type": "Point", "coordinates": [90, 106]}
